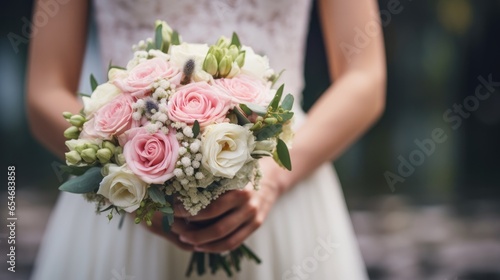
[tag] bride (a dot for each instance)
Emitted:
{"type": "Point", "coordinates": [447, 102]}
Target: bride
{"type": "Point", "coordinates": [298, 222]}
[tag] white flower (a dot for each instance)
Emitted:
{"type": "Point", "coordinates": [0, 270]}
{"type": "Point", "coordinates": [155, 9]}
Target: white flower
{"type": "Point", "coordinates": [255, 65]}
{"type": "Point", "coordinates": [180, 54]}
{"type": "Point", "coordinates": [265, 147]}
{"type": "Point", "coordinates": [226, 148]}
{"type": "Point", "coordinates": [287, 134]}
{"type": "Point", "coordinates": [123, 188]}
{"type": "Point", "coordinates": [101, 96]}
{"type": "Point", "coordinates": [115, 73]}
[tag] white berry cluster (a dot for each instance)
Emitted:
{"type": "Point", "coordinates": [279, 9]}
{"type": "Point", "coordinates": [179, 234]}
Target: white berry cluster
{"type": "Point", "coordinates": [154, 110]}
{"type": "Point", "coordinates": [189, 172]}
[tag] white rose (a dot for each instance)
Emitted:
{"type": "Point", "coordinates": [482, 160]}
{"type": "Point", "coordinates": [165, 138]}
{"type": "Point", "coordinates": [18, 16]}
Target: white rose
{"type": "Point", "coordinates": [255, 65]}
{"type": "Point", "coordinates": [116, 73]}
{"type": "Point", "coordinates": [102, 95]}
{"type": "Point", "coordinates": [123, 188]}
{"type": "Point", "coordinates": [180, 54]}
{"type": "Point", "coordinates": [226, 148]}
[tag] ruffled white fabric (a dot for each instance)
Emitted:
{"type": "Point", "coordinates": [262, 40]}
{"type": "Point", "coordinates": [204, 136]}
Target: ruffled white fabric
{"type": "Point", "coordinates": [308, 234]}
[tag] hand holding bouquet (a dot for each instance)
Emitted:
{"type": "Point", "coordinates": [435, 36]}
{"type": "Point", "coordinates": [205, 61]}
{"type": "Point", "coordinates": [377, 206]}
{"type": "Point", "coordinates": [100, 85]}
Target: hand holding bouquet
{"type": "Point", "coordinates": [184, 121]}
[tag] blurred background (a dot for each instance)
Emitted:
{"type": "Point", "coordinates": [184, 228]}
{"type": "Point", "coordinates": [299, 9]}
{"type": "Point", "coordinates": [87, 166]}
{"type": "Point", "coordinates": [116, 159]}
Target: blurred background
{"type": "Point", "coordinates": [422, 186]}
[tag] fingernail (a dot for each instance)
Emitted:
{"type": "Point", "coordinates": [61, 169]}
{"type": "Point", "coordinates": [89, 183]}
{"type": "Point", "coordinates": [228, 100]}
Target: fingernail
{"type": "Point", "coordinates": [183, 239]}
{"type": "Point", "coordinates": [198, 249]}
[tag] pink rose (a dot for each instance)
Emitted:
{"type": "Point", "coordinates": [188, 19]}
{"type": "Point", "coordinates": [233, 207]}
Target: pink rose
{"type": "Point", "coordinates": [245, 89]}
{"type": "Point", "coordinates": [112, 119]}
{"type": "Point", "coordinates": [198, 101]}
{"type": "Point", "coordinates": [139, 81]}
{"type": "Point", "coordinates": [152, 157]}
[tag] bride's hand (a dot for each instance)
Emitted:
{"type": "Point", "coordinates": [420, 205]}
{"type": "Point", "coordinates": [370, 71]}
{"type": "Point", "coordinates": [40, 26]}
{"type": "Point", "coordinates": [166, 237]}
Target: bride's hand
{"type": "Point", "coordinates": [228, 220]}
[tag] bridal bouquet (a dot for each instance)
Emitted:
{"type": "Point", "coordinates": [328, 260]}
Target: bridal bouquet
{"type": "Point", "coordinates": [184, 121]}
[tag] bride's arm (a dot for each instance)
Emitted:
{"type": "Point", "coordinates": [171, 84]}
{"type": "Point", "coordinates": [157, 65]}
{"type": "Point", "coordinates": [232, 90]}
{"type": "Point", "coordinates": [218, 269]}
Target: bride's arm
{"type": "Point", "coordinates": [357, 97]}
{"type": "Point", "coordinates": [338, 118]}
{"type": "Point", "coordinates": [54, 65]}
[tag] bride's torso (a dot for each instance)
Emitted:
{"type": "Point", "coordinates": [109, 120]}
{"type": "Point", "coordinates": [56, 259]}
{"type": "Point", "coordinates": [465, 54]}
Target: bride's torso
{"type": "Point", "coordinates": [276, 28]}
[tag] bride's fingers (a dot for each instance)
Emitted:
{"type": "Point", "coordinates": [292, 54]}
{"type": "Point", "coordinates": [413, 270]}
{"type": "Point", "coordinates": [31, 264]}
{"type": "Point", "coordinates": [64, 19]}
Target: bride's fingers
{"type": "Point", "coordinates": [157, 228]}
{"type": "Point", "coordinates": [233, 241]}
{"type": "Point", "coordinates": [225, 203]}
{"type": "Point", "coordinates": [219, 229]}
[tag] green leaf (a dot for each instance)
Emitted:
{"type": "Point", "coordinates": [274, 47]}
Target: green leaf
{"type": "Point", "coordinates": [196, 128]}
{"type": "Point", "coordinates": [275, 78]}
{"type": "Point", "coordinates": [277, 98]}
{"type": "Point", "coordinates": [75, 170]}
{"type": "Point", "coordinates": [93, 82]}
{"type": "Point", "coordinates": [245, 109]}
{"type": "Point", "coordinates": [242, 119]}
{"type": "Point", "coordinates": [283, 117]}
{"type": "Point", "coordinates": [257, 109]}
{"type": "Point", "coordinates": [150, 46]}
{"type": "Point", "coordinates": [268, 132]}
{"type": "Point", "coordinates": [283, 154]}
{"type": "Point", "coordinates": [84, 94]}
{"type": "Point", "coordinates": [235, 40]}
{"type": "Point", "coordinates": [287, 103]}
{"type": "Point", "coordinates": [159, 37]}
{"type": "Point", "coordinates": [87, 182]}
{"type": "Point", "coordinates": [175, 40]}
{"type": "Point", "coordinates": [156, 194]}
{"type": "Point", "coordinates": [167, 210]}
{"type": "Point", "coordinates": [167, 221]}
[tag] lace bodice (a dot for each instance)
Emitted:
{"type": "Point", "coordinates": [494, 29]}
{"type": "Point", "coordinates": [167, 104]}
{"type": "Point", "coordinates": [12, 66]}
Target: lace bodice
{"type": "Point", "coordinates": [275, 28]}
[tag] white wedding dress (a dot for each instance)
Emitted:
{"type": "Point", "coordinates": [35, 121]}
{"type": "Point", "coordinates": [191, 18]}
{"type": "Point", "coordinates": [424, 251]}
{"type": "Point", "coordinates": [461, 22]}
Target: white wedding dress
{"type": "Point", "coordinates": [307, 235]}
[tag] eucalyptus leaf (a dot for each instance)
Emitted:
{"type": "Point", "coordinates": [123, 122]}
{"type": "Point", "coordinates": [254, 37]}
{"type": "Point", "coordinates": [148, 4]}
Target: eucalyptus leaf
{"type": "Point", "coordinates": [87, 182]}
{"type": "Point", "coordinates": [283, 154]}
{"type": "Point", "coordinates": [235, 40]}
{"type": "Point", "coordinates": [277, 98]}
{"type": "Point", "coordinates": [245, 109]}
{"type": "Point", "coordinates": [287, 103]}
{"type": "Point", "coordinates": [159, 37]}
{"type": "Point", "coordinates": [268, 132]}
{"type": "Point", "coordinates": [75, 170]}
{"type": "Point", "coordinates": [242, 119]}
{"type": "Point", "coordinates": [156, 194]}
{"type": "Point", "coordinates": [283, 117]}
{"type": "Point", "coordinates": [257, 109]}
{"type": "Point", "coordinates": [167, 210]}
{"type": "Point", "coordinates": [165, 222]}
{"type": "Point", "coordinates": [196, 128]}
{"type": "Point", "coordinates": [175, 40]}
{"type": "Point", "coordinates": [93, 82]}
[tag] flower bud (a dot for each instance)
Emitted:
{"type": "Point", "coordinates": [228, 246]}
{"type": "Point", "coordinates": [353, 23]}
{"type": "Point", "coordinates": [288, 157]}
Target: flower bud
{"type": "Point", "coordinates": [257, 125]}
{"type": "Point", "coordinates": [72, 132]}
{"type": "Point", "coordinates": [225, 66]}
{"type": "Point", "coordinates": [72, 157]}
{"type": "Point", "coordinates": [81, 147]}
{"type": "Point", "coordinates": [219, 54]}
{"type": "Point", "coordinates": [240, 59]}
{"type": "Point", "coordinates": [210, 64]}
{"type": "Point", "coordinates": [120, 159]}
{"type": "Point", "coordinates": [88, 155]}
{"type": "Point", "coordinates": [270, 120]}
{"type": "Point", "coordinates": [109, 145]}
{"type": "Point", "coordinates": [77, 120]}
{"type": "Point", "coordinates": [93, 146]}
{"type": "Point", "coordinates": [223, 42]}
{"type": "Point", "coordinates": [104, 155]}
{"type": "Point", "coordinates": [233, 51]}
{"type": "Point", "coordinates": [67, 115]}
